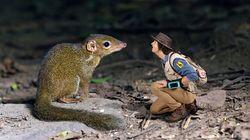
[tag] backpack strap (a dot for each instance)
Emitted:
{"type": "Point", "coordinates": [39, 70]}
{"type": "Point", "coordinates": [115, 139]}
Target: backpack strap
{"type": "Point", "coordinates": [169, 60]}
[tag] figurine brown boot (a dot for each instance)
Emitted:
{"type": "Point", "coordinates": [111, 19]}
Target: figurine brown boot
{"type": "Point", "coordinates": [179, 114]}
{"type": "Point", "coordinates": [192, 108]}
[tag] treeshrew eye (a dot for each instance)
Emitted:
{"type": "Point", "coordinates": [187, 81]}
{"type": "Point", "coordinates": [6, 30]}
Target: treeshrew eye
{"type": "Point", "coordinates": [106, 44]}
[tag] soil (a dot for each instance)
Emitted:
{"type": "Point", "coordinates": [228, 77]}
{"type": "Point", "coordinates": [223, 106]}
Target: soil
{"type": "Point", "coordinates": [230, 120]}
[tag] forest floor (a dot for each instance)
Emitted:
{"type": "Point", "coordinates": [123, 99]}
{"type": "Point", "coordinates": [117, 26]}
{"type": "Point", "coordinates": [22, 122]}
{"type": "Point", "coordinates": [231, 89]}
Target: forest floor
{"type": "Point", "coordinates": [129, 85]}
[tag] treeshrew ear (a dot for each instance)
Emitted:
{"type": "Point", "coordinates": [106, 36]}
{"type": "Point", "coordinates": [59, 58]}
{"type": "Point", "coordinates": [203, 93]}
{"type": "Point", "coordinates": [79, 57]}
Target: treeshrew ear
{"type": "Point", "coordinates": [91, 46]}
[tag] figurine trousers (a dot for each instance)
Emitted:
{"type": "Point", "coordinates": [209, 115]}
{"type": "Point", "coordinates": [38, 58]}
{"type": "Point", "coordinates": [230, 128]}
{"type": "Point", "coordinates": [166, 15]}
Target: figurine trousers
{"type": "Point", "coordinates": [168, 100]}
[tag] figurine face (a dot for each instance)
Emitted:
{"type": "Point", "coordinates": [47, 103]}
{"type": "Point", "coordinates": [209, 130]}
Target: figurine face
{"type": "Point", "coordinates": [155, 47]}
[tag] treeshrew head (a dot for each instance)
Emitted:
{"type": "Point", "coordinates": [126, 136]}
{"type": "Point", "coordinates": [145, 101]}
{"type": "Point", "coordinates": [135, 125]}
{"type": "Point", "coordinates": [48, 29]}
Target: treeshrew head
{"type": "Point", "coordinates": [103, 45]}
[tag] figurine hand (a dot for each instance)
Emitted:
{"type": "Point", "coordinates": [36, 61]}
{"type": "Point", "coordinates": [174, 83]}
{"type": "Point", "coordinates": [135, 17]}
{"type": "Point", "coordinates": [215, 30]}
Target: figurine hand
{"type": "Point", "coordinates": [185, 81]}
{"type": "Point", "coordinates": [162, 83]}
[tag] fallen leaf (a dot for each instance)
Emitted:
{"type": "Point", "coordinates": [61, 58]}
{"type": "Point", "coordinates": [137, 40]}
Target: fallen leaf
{"type": "Point", "coordinates": [62, 134]}
{"type": "Point", "coordinates": [14, 86]}
{"type": "Point", "coordinates": [100, 80]}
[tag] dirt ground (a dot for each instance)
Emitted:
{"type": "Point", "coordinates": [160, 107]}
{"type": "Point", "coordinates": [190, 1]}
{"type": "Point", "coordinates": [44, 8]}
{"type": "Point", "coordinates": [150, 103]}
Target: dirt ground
{"type": "Point", "coordinates": [230, 121]}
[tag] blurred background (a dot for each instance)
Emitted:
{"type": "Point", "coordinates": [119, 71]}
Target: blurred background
{"type": "Point", "coordinates": [216, 33]}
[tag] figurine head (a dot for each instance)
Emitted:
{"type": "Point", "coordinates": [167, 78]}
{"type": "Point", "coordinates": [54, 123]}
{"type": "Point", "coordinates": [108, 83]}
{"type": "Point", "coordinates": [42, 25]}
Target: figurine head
{"type": "Point", "coordinates": [161, 43]}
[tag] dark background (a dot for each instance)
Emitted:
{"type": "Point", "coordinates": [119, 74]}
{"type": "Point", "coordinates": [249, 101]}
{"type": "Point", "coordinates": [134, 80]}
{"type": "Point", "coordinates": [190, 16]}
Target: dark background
{"type": "Point", "coordinates": [216, 33]}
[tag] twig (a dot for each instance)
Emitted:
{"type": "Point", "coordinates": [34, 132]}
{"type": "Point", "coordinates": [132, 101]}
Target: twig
{"type": "Point", "coordinates": [211, 80]}
{"type": "Point", "coordinates": [234, 81]}
{"type": "Point", "coordinates": [229, 72]}
{"type": "Point", "coordinates": [18, 98]}
{"type": "Point", "coordinates": [139, 98]}
{"type": "Point", "coordinates": [227, 75]}
{"type": "Point", "coordinates": [146, 120]}
{"type": "Point", "coordinates": [150, 128]}
{"type": "Point", "coordinates": [190, 128]}
{"type": "Point", "coordinates": [185, 125]}
{"type": "Point", "coordinates": [237, 86]}
{"type": "Point", "coordinates": [115, 98]}
{"type": "Point", "coordinates": [186, 122]}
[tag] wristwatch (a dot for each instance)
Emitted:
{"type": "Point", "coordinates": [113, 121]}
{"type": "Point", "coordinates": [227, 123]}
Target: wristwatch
{"type": "Point", "coordinates": [173, 84]}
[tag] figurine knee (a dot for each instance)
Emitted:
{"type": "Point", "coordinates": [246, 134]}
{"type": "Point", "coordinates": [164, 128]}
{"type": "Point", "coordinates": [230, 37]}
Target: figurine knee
{"type": "Point", "coordinates": [154, 87]}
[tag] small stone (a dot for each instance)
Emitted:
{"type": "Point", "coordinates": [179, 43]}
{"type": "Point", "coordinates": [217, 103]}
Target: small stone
{"type": "Point", "coordinates": [167, 136]}
{"type": "Point", "coordinates": [213, 100]}
{"type": "Point", "coordinates": [102, 110]}
{"type": "Point", "coordinates": [241, 132]}
{"type": "Point", "coordinates": [1, 125]}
